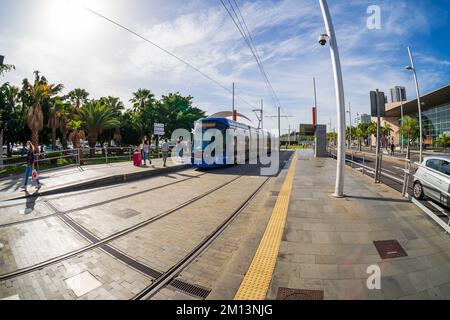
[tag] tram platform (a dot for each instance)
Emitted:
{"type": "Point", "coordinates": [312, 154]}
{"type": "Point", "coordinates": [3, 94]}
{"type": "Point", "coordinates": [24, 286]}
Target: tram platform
{"type": "Point", "coordinates": [84, 177]}
{"type": "Point", "coordinates": [318, 247]}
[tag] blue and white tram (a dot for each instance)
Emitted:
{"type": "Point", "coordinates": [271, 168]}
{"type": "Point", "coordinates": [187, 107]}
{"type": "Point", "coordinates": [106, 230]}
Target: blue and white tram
{"type": "Point", "coordinates": [240, 132]}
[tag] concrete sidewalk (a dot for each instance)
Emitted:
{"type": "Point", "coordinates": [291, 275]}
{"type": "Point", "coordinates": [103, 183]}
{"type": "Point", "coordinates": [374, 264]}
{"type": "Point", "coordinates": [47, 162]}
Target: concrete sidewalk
{"type": "Point", "coordinates": [328, 243]}
{"type": "Point", "coordinates": [73, 178]}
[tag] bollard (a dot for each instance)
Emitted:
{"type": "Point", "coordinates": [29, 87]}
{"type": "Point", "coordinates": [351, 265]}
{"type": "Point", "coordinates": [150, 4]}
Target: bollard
{"type": "Point", "coordinates": [106, 154]}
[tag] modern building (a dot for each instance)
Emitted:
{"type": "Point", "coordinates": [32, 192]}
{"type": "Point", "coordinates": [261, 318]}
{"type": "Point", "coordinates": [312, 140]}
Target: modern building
{"type": "Point", "coordinates": [435, 115]}
{"type": "Point", "coordinates": [398, 94]}
{"type": "Point", "coordinates": [363, 118]}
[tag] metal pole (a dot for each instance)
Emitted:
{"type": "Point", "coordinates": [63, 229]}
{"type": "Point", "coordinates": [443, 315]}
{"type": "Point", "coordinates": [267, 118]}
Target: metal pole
{"type": "Point", "coordinates": [377, 162]}
{"type": "Point", "coordinates": [350, 116]}
{"type": "Point", "coordinates": [315, 98]}
{"type": "Point", "coordinates": [279, 128]}
{"type": "Point", "coordinates": [418, 103]}
{"type": "Point", "coordinates": [340, 100]}
{"type": "Point", "coordinates": [401, 109]}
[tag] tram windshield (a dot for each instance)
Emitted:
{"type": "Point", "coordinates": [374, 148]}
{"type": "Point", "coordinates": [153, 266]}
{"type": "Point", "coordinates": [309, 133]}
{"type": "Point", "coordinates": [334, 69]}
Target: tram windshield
{"type": "Point", "coordinates": [201, 127]}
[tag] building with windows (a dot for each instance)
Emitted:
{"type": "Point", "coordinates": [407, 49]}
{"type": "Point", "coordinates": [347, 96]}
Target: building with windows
{"type": "Point", "coordinates": [435, 115]}
{"type": "Point", "coordinates": [398, 94]}
{"type": "Point", "coordinates": [363, 118]}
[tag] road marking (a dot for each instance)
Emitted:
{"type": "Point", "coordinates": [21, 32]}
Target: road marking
{"type": "Point", "coordinates": [257, 280]}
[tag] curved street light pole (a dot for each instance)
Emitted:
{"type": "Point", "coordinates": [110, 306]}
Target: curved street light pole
{"type": "Point", "coordinates": [339, 87]}
{"type": "Point", "coordinates": [419, 105]}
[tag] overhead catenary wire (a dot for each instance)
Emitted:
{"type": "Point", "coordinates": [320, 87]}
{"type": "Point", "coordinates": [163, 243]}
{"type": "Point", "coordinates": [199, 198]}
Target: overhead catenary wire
{"type": "Point", "coordinates": [160, 48]}
{"type": "Point", "coordinates": [244, 31]}
{"type": "Point", "coordinates": [256, 50]}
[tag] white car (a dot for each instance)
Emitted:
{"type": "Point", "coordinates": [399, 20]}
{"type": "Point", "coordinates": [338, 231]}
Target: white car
{"type": "Point", "coordinates": [432, 179]}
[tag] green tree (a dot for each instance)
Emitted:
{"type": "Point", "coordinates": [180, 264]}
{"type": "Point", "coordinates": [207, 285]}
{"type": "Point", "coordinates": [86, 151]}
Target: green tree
{"type": "Point", "coordinates": [77, 97]}
{"type": "Point", "coordinates": [95, 118]}
{"type": "Point", "coordinates": [140, 100]}
{"type": "Point", "coordinates": [410, 130]}
{"type": "Point", "coordinates": [444, 140]}
{"type": "Point", "coordinates": [117, 107]}
{"type": "Point", "coordinates": [34, 96]}
{"type": "Point", "coordinates": [372, 131]}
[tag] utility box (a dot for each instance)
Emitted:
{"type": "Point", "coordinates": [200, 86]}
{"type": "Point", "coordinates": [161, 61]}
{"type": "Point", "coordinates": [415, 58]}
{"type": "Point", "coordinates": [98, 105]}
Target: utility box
{"type": "Point", "coordinates": [320, 150]}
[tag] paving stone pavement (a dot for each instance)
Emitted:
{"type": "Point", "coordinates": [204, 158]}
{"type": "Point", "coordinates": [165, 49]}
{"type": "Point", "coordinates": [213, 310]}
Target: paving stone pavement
{"type": "Point", "coordinates": [35, 242]}
{"type": "Point", "coordinates": [328, 242]}
{"type": "Point", "coordinates": [118, 280]}
{"type": "Point", "coordinates": [163, 243]}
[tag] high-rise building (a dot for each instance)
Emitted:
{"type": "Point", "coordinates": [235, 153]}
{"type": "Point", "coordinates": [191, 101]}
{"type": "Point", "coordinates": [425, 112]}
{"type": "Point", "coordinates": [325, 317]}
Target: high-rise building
{"type": "Point", "coordinates": [363, 118]}
{"type": "Point", "coordinates": [398, 94]}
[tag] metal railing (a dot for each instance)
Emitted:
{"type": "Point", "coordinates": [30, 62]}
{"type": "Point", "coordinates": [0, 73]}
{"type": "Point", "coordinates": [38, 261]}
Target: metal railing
{"type": "Point", "coordinates": [72, 157]}
{"type": "Point", "coordinates": [405, 182]}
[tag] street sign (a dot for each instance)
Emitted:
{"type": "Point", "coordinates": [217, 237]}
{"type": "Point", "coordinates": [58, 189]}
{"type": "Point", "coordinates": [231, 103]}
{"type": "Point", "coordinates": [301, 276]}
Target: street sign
{"type": "Point", "coordinates": [159, 129]}
{"type": "Point", "coordinates": [373, 104]}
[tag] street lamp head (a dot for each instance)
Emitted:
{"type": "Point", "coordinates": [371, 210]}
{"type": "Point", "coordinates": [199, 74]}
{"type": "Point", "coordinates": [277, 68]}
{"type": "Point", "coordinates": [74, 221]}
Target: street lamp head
{"type": "Point", "coordinates": [409, 68]}
{"type": "Point", "coordinates": [323, 38]}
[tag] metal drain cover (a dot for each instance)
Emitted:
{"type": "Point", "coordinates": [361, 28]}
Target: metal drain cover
{"type": "Point", "coordinates": [390, 249]}
{"type": "Point", "coordinates": [299, 294]}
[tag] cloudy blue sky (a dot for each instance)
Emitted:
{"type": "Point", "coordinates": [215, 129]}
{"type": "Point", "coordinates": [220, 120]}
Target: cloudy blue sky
{"type": "Point", "coordinates": [76, 48]}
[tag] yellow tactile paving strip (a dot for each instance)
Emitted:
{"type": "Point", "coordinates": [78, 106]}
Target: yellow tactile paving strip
{"type": "Point", "coordinates": [258, 277]}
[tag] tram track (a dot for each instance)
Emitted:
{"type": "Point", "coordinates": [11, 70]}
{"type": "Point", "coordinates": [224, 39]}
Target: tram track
{"type": "Point", "coordinates": [58, 212]}
{"type": "Point", "coordinates": [97, 242]}
{"type": "Point", "coordinates": [169, 278]}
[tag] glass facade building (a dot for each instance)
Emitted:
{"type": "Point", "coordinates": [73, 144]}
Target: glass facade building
{"type": "Point", "coordinates": [436, 121]}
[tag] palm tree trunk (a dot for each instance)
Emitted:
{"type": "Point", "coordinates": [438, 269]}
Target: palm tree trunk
{"type": "Point", "coordinates": [63, 130]}
{"type": "Point", "coordinates": [1, 149]}
{"type": "Point", "coordinates": [35, 139]}
{"type": "Point", "coordinates": [92, 138]}
{"type": "Point", "coordinates": [53, 137]}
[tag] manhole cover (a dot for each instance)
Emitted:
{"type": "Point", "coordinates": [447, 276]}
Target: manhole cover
{"type": "Point", "coordinates": [299, 294]}
{"type": "Point", "coordinates": [390, 249]}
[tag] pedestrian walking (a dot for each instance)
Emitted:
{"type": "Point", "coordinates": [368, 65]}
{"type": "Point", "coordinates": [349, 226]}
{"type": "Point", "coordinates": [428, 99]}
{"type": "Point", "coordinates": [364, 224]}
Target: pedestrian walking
{"type": "Point", "coordinates": [392, 149]}
{"type": "Point", "coordinates": [146, 152]}
{"type": "Point", "coordinates": [165, 151]}
{"type": "Point", "coordinates": [30, 169]}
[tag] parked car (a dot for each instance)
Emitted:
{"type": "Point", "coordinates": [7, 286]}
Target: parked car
{"type": "Point", "coordinates": [432, 179]}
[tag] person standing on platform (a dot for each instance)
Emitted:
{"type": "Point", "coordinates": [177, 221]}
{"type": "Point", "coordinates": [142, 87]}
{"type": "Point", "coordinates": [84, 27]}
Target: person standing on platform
{"type": "Point", "coordinates": [165, 151]}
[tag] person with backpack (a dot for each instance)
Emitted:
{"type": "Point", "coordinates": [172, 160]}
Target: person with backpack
{"type": "Point", "coordinates": [30, 169]}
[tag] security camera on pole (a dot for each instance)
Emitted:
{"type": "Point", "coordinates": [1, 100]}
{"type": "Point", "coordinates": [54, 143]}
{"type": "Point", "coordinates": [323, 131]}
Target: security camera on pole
{"type": "Point", "coordinates": [340, 101]}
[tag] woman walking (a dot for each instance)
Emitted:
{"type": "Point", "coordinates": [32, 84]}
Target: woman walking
{"type": "Point", "coordinates": [146, 151]}
{"type": "Point", "coordinates": [31, 160]}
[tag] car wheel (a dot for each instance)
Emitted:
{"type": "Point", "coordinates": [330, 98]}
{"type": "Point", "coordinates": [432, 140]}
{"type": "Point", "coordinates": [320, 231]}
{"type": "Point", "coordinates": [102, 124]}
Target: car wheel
{"type": "Point", "coordinates": [418, 191]}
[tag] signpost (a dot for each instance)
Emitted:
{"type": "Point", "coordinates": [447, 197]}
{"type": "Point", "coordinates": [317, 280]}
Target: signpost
{"type": "Point", "coordinates": [158, 130]}
{"type": "Point", "coordinates": [378, 108]}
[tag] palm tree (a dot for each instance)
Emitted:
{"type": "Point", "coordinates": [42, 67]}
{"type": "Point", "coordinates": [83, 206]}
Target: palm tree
{"type": "Point", "coordinates": [78, 97]}
{"type": "Point", "coordinates": [372, 131]}
{"type": "Point", "coordinates": [95, 118]}
{"type": "Point", "coordinates": [386, 133]}
{"type": "Point", "coordinates": [58, 119]}
{"type": "Point", "coordinates": [117, 107]}
{"type": "Point", "coordinates": [62, 114]}
{"type": "Point", "coordinates": [410, 130]}
{"type": "Point", "coordinates": [444, 140]}
{"type": "Point", "coordinates": [140, 99]}
{"type": "Point", "coordinates": [34, 96]}
{"type": "Point", "coordinates": [76, 135]}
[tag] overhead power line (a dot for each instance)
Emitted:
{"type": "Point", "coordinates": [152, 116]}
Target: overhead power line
{"type": "Point", "coordinates": [161, 48]}
{"type": "Point", "coordinates": [236, 16]}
